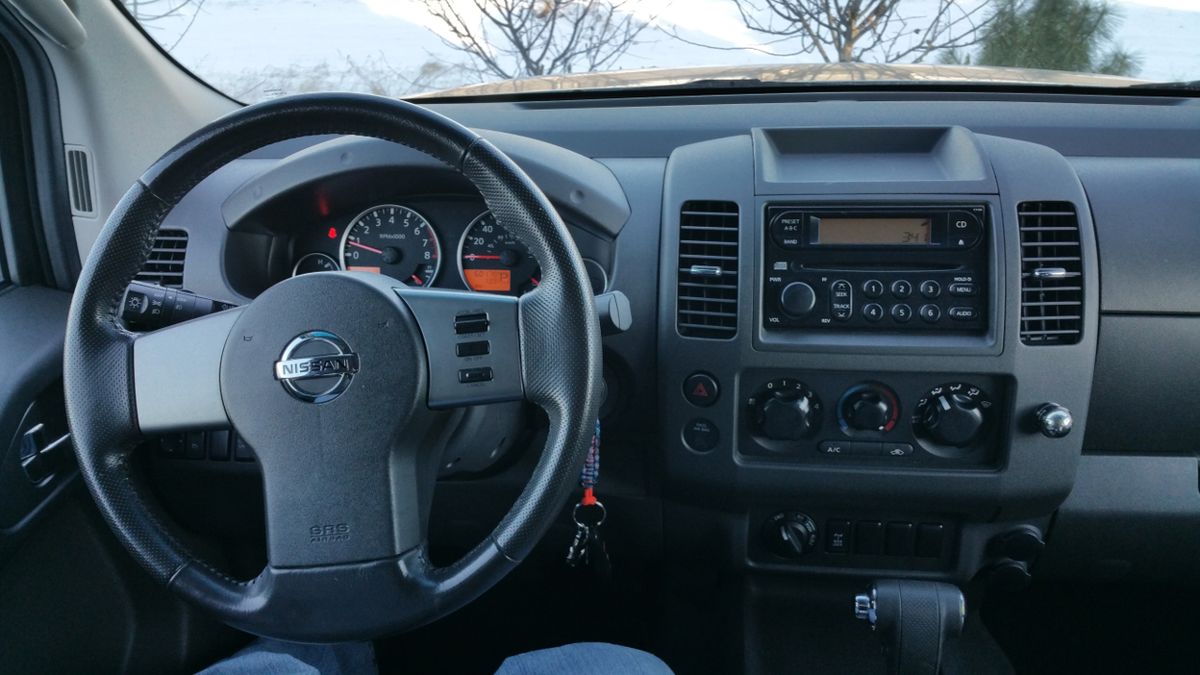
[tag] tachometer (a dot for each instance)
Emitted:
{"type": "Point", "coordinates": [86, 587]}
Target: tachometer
{"type": "Point", "coordinates": [492, 260]}
{"type": "Point", "coordinates": [393, 240]}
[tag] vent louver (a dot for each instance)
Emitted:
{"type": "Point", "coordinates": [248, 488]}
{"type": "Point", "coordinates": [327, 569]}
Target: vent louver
{"type": "Point", "coordinates": [165, 264]}
{"type": "Point", "coordinates": [708, 269]}
{"type": "Point", "coordinates": [1051, 274]}
{"type": "Point", "coordinates": [79, 181]}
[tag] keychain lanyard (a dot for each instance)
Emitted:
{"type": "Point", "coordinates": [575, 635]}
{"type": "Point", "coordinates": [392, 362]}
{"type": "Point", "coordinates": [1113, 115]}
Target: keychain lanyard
{"type": "Point", "coordinates": [587, 546]}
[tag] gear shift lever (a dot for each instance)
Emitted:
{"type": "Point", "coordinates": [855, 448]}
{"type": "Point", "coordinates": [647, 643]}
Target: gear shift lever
{"type": "Point", "coordinates": [914, 619]}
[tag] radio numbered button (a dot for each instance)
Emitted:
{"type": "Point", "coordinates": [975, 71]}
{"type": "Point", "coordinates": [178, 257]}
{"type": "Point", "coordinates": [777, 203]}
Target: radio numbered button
{"type": "Point", "coordinates": [841, 299]}
{"type": "Point", "coordinates": [963, 313]}
{"type": "Point", "coordinates": [901, 313]}
{"type": "Point", "coordinates": [930, 313]}
{"type": "Point", "coordinates": [901, 288]}
{"type": "Point", "coordinates": [931, 289]}
{"type": "Point", "coordinates": [872, 288]}
{"type": "Point", "coordinates": [873, 312]}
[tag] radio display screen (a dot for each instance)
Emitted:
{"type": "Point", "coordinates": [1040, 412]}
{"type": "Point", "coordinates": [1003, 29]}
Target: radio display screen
{"type": "Point", "coordinates": [868, 231]}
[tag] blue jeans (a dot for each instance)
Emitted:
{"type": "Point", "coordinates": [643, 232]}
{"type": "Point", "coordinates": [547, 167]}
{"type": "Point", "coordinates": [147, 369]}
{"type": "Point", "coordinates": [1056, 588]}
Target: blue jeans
{"type": "Point", "coordinates": [272, 657]}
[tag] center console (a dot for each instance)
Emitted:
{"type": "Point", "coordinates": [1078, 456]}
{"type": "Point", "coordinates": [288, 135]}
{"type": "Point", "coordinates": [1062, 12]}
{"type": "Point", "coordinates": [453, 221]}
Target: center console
{"type": "Point", "coordinates": [859, 335]}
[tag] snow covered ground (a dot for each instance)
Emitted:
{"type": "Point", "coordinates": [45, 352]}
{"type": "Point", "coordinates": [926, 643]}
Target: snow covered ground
{"type": "Point", "coordinates": [257, 48]}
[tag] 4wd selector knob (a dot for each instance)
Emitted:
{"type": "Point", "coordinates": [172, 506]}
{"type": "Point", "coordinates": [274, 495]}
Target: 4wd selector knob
{"type": "Point", "coordinates": [790, 534]}
{"type": "Point", "coordinates": [786, 410]}
{"type": "Point", "coordinates": [798, 299]}
{"type": "Point", "coordinates": [952, 414]}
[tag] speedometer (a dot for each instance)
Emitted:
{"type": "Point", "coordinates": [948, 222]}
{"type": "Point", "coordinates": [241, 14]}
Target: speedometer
{"type": "Point", "coordinates": [492, 260]}
{"type": "Point", "coordinates": [393, 240]}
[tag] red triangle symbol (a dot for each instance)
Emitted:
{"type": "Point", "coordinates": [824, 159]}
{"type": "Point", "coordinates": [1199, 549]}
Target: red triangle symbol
{"type": "Point", "coordinates": [700, 390]}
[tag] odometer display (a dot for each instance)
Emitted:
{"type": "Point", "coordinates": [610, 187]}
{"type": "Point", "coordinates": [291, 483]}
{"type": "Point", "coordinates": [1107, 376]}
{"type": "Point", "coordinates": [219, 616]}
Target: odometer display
{"type": "Point", "coordinates": [492, 260]}
{"type": "Point", "coordinates": [393, 240]}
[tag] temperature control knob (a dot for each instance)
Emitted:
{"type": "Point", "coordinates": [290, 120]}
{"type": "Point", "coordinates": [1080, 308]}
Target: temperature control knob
{"type": "Point", "coordinates": [952, 414]}
{"type": "Point", "coordinates": [786, 410]}
{"type": "Point", "coordinates": [868, 408]}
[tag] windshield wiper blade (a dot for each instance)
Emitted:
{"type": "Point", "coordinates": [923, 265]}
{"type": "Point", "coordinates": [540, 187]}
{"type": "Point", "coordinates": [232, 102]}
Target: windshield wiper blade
{"type": "Point", "coordinates": [1191, 85]}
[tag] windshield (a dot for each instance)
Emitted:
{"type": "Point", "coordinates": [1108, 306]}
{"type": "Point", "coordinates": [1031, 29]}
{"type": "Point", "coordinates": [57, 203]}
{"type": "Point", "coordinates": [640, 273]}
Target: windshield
{"type": "Point", "coordinates": [256, 49]}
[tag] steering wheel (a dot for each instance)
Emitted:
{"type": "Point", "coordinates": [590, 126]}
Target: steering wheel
{"type": "Point", "coordinates": [343, 383]}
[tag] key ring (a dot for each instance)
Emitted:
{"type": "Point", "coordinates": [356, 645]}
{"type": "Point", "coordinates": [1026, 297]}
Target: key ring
{"type": "Point", "coordinates": [598, 523]}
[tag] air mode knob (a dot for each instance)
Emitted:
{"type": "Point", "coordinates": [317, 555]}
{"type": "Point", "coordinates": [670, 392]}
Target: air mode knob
{"type": "Point", "coordinates": [952, 414]}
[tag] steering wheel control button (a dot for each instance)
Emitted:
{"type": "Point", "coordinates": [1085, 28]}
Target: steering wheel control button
{"type": "Point", "coordinates": [701, 435]}
{"type": "Point", "coordinates": [901, 313]}
{"type": "Point", "coordinates": [873, 312]}
{"type": "Point", "coordinates": [931, 289]}
{"type": "Point", "coordinates": [841, 300]}
{"type": "Point", "coordinates": [896, 450]}
{"type": "Point", "coordinates": [798, 299]}
{"type": "Point", "coordinates": [316, 367]}
{"type": "Point", "coordinates": [962, 313]}
{"type": "Point", "coordinates": [701, 389]}
{"type": "Point", "coordinates": [465, 324]}
{"type": "Point", "coordinates": [475, 375]}
{"type": "Point", "coordinates": [901, 288]}
{"type": "Point", "coordinates": [476, 348]}
{"type": "Point", "coordinates": [962, 289]}
{"type": "Point", "coordinates": [930, 313]}
{"type": "Point", "coordinates": [872, 288]}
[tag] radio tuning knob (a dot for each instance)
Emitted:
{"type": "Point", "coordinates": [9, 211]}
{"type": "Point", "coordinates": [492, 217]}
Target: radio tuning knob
{"type": "Point", "coordinates": [798, 299]}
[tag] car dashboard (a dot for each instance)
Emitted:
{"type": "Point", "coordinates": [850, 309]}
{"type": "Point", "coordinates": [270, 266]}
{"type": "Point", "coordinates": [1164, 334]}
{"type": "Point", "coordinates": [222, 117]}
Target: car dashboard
{"type": "Point", "coordinates": [872, 335]}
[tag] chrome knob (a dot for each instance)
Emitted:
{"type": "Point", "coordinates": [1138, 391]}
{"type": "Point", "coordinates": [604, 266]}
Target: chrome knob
{"type": "Point", "coordinates": [1054, 420]}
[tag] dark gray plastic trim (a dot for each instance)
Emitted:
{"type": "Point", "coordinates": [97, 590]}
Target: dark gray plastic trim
{"type": "Point", "coordinates": [581, 187]}
{"type": "Point", "coordinates": [900, 160]}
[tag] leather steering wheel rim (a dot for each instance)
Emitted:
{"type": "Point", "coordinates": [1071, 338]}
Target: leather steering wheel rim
{"type": "Point", "coordinates": [110, 413]}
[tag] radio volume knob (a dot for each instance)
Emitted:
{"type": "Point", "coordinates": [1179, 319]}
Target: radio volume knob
{"type": "Point", "coordinates": [798, 299]}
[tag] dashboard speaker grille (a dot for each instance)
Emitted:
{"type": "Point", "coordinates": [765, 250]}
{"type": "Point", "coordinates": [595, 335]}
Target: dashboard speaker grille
{"type": "Point", "coordinates": [708, 270]}
{"type": "Point", "coordinates": [165, 264]}
{"type": "Point", "coordinates": [1051, 274]}
{"type": "Point", "coordinates": [79, 181]}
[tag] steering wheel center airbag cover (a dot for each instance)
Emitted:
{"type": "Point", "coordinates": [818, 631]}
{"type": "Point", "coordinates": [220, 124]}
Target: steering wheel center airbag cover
{"type": "Point", "coordinates": [341, 434]}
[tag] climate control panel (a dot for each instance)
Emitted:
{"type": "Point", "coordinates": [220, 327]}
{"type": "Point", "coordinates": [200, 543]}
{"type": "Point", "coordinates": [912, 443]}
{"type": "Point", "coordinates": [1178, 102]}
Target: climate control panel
{"type": "Point", "coordinates": [918, 419]}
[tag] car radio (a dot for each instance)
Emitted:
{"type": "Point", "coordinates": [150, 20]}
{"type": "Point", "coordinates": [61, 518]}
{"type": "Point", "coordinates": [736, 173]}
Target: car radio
{"type": "Point", "coordinates": [875, 267]}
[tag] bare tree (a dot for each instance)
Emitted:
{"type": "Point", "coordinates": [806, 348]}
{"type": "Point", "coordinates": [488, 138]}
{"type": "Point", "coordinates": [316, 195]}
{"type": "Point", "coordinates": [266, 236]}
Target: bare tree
{"type": "Point", "coordinates": [148, 11]}
{"type": "Point", "coordinates": [855, 30]}
{"type": "Point", "coordinates": [524, 38]}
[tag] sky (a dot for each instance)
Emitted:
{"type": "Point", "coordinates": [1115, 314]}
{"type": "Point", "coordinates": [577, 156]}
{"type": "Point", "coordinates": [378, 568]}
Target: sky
{"type": "Point", "coordinates": [232, 42]}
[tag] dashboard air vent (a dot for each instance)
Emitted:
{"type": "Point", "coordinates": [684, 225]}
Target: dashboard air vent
{"type": "Point", "coordinates": [165, 264]}
{"type": "Point", "coordinates": [1051, 274]}
{"type": "Point", "coordinates": [708, 269]}
{"type": "Point", "coordinates": [79, 181]}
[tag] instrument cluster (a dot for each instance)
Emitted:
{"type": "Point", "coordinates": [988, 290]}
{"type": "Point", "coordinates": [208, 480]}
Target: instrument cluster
{"type": "Point", "coordinates": [408, 239]}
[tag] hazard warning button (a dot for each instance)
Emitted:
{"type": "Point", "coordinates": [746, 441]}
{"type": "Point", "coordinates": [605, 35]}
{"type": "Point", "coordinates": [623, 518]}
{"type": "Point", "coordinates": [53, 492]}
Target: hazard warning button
{"type": "Point", "coordinates": [701, 389]}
